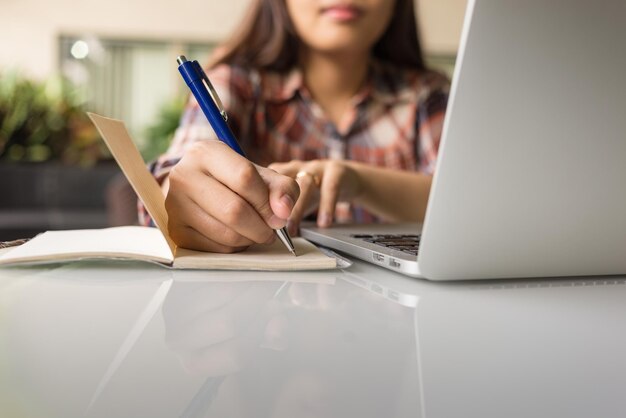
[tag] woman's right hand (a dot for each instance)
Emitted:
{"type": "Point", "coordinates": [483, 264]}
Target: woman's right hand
{"type": "Point", "coordinates": [219, 201]}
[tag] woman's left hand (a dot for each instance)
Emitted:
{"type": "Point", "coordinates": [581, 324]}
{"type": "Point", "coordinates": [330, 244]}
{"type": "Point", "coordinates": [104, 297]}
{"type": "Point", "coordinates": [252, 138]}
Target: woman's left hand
{"type": "Point", "coordinates": [322, 184]}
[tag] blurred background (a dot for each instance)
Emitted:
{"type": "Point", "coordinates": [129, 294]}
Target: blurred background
{"type": "Point", "coordinates": [60, 58]}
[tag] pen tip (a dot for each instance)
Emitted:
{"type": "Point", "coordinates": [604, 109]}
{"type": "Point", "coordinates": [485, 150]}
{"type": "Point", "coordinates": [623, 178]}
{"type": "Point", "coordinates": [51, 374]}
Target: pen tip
{"type": "Point", "coordinates": [294, 253]}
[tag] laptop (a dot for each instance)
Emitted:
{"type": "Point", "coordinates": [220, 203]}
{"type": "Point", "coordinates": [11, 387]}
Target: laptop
{"type": "Point", "coordinates": [531, 175]}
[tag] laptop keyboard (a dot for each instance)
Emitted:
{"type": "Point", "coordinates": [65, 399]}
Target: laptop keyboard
{"type": "Point", "coordinates": [406, 243]}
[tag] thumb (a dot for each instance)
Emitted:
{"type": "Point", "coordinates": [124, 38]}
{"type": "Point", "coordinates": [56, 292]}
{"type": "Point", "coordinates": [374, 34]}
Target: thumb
{"type": "Point", "coordinates": [283, 193]}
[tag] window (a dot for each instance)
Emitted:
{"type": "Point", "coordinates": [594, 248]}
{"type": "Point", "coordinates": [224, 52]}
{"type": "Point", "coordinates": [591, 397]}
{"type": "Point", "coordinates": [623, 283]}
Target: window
{"type": "Point", "coordinates": [127, 79]}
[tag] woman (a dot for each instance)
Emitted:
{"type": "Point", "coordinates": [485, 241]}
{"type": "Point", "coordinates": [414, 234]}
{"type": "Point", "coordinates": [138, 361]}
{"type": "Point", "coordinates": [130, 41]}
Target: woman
{"type": "Point", "coordinates": [335, 95]}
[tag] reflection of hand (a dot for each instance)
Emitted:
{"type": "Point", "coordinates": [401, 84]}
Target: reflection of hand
{"type": "Point", "coordinates": [219, 201]}
{"type": "Point", "coordinates": [322, 184]}
{"type": "Point", "coordinates": [215, 327]}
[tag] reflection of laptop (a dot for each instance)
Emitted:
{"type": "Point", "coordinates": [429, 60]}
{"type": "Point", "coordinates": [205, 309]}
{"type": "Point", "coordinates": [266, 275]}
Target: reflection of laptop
{"type": "Point", "coordinates": [531, 179]}
{"type": "Point", "coordinates": [409, 397]}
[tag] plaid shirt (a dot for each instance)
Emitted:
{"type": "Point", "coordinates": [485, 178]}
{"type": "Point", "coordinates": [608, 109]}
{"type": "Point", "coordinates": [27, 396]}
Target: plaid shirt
{"type": "Point", "coordinates": [395, 121]}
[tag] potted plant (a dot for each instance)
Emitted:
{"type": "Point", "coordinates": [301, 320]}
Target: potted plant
{"type": "Point", "coordinates": [45, 121]}
{"type": "Point", "coordinates": [54, 168]}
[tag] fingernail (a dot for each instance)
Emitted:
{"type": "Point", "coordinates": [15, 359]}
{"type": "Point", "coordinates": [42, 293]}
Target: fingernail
{"type": "Point", "coordinates": [275, 222]}
{"type": "Point", "coordinates": [323, 219]}
{"type": "Point", "coordinates": [287, 201]}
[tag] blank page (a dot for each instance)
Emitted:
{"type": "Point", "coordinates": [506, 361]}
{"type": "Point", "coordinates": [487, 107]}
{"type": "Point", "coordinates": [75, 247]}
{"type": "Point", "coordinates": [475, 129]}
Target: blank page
{"type": "Point", "coordinates": [127, 155]}
{"type": "Point", "coordinates": [258, 257]}
{"type": "Point", "coordinates": [131, 242]}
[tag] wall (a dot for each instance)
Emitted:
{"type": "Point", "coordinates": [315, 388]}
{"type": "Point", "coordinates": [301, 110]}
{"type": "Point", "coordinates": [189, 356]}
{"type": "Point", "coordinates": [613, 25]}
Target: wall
{"type": "Point", "coordinates": [441, 22]}
{"type": "Point", "coordinates": [29, 28]}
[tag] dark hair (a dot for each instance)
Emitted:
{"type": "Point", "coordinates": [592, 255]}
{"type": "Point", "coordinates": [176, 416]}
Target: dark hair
{"type": "Point", "coordinates": [266, 39]}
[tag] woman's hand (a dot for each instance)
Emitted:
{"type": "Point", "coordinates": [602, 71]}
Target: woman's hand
{"type": "Point", "coordinates": [217, 328]}
{"type": "Point", "coordinates": [219, 201]}
{"type": "Point", "coordinates": [322, 184]}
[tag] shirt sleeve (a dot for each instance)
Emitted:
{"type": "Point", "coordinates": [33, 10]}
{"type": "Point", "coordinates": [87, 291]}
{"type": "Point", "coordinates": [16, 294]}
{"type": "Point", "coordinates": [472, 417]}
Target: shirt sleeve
{"type": "Point", "coordinates": [234, 87]}
{"type": "Point", "coordinates": [431, 110]}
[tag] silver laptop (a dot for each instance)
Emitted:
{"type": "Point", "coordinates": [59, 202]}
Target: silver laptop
{"type": "Point", "coordinates": [531, 175]}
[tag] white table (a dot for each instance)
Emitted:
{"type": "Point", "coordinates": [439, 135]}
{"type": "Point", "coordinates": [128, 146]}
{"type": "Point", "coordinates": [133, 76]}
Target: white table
{"type": "Point", "coordinates": [97, 339]}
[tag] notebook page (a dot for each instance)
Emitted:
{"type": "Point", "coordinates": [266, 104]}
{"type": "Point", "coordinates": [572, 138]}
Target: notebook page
{"type": "Point", "coordinates": [132, 164]}
{"type": "Point", "coordinates": [133, 242]}
{"type": "Point", "coordinates": [258, 257]}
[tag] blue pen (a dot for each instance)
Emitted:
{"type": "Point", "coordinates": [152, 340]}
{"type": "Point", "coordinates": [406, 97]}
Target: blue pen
{"type": "Point", "coordinates": [212, 107]}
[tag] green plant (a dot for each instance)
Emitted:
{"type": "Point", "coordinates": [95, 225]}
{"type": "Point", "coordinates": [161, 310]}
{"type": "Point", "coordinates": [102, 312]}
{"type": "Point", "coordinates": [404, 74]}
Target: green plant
{"type": "Point", "coordinates": [44, 120]}
{"type": "Point", "coordinates": [160, 133]}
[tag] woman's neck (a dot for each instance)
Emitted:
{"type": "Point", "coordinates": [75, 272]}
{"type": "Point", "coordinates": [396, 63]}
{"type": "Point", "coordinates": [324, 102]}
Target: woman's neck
{"type": "Point", "coordinates": [333, 79]}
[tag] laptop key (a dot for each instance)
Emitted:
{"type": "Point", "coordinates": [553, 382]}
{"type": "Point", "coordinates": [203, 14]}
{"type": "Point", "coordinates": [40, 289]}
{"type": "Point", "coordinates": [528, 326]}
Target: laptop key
{"type": "Point", "coordinates": [408, 243]}
{"type": "Point", "coordinates": [398, 242]}
{"type": "Point", "coordinates": [404, 247]}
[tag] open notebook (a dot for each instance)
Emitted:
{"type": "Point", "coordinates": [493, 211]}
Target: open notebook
{"type": "Point", "coordinates": [154, 244]}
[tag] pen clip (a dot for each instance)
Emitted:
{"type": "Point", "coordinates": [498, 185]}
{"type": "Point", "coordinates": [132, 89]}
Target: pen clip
{"type": "Point", "coordinates": [212, 92]}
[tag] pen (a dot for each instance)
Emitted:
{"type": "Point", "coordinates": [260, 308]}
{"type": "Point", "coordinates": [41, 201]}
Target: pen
{"type": "Point", "coordinates": [213, 109]}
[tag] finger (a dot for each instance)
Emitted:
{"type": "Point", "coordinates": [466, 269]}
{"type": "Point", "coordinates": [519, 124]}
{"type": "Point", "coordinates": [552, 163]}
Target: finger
{"type": "Point", "coordinates": [242, 176]}
{"type": "Point", "coordinates": [284, 192]}
{"type": "Point", "coordinates": [186, 216]}
{"type": "Point", "coordinates": [288, 169]}
{"type": "Point", "coordinates": [309, 195]}
{"type": "Point", "coordinates": [220, 202]}
{"type": "Point", "coordinates": [329, 193]}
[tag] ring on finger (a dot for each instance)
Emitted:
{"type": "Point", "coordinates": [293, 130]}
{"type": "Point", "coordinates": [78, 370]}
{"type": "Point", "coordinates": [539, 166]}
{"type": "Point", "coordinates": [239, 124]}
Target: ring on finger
{"type": "Point", "coordinates": [303, 173]}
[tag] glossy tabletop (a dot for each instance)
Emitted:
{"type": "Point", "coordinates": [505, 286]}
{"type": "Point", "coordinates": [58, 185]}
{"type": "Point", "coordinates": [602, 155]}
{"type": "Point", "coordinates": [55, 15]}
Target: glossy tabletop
{"type": "Point", "coordinates": [97, 339]}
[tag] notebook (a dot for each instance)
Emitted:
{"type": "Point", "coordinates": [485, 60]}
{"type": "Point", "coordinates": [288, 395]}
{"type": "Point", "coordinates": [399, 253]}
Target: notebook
{"type": "Point", "coordinates": [153, 244]}
{"type": "Point", "coordinates": [530, 176]}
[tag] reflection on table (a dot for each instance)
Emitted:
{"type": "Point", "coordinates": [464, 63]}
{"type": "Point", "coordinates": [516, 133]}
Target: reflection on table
{"type": "Point", "coordinates": [115, 340]}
